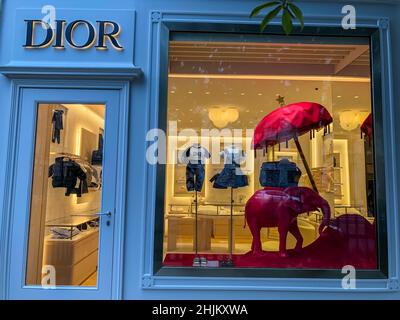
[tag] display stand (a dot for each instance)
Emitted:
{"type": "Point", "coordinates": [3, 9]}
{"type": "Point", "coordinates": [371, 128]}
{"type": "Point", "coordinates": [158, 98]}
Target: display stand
{"type": "Point", "coordinates": [196, 260]}
{"type": "Point", "coordinates": [229, 262]}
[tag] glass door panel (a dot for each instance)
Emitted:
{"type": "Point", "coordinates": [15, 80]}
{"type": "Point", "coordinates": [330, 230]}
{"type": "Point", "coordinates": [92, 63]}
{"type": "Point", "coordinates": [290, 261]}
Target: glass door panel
{"type": "Point", "coordinates": [63, 243]}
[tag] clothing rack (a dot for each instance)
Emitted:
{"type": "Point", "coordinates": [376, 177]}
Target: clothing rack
{"type": "Point", "coordinates": [67, 155]}
{"type": "Point", "coordinates": [84, 164]}
{"type": "Point", "coordinates": [73, 157]}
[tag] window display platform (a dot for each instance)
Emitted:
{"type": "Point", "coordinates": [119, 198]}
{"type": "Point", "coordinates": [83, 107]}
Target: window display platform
{"type": "Point", "coordinates": [349, 240]}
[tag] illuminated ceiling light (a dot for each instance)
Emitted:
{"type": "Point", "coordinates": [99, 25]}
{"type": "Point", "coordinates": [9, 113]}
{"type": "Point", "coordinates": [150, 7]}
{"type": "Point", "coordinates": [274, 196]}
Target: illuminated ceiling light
{"type": "Point", "coordinates": [208, 92]}
{"type": "Point", "coordinates": [190, 92]}
{"type": "Point", "coordinates": [242, 94]}
{"type": "Point", "coordinates": [172, 91]}
{"type": "Point", "coordinates": [352, 119]}
{"type": "Point", "coordinates": [339, 97]}
{"type": "Point", "coordinates": [260, 94]}
{"type": "Point", "coordinates": [222, 116]}
{"type": "Point", "coordinates": [270, 77]}
{"type": "Point", "coordinates": [356, 97]}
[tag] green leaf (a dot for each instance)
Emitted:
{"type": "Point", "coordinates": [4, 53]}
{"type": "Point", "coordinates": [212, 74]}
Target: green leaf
{"type": "Point", "coordinates": [287, 23]}
{"type": "Point", "coordinates": [297, 12]}
{"type": "Point", "coordinates": [257, 10]}
{"type": "Point", "coordinates": [269, 17]}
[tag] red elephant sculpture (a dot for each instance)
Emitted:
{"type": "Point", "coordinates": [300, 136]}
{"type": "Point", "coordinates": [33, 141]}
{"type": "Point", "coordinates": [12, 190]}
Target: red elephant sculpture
{"type": "Point", "coordinates": [278, 207]}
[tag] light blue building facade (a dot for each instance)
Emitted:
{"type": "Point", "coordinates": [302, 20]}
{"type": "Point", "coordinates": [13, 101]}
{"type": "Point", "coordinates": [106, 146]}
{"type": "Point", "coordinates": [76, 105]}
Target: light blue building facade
{"type": "Point", "coordinates": [123, 66]}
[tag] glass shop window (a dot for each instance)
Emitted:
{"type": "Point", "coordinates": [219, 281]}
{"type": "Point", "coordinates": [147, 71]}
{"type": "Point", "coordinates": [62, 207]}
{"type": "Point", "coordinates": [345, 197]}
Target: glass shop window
{"type": "Point", "coordinates": [270, 151]}
{"type": "Point", "coordinates": [66, 195]}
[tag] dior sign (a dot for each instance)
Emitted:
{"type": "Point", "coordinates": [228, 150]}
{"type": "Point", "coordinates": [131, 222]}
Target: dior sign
{"type": "Point", "coordinates": [102, 35]}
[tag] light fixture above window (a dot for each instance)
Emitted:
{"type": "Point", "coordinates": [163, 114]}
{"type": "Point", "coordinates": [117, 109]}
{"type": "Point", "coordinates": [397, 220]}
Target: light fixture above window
{"type": "Point", "coordinates": [351, 119]}
{"type": "Point", "coordinates": [222, 116]}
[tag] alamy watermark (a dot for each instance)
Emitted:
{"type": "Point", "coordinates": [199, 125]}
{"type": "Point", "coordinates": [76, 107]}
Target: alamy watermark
{"type": "Point", "coordinates": [48, 277]}
{"type": "Point", "coordinates": [214, 140]}
{"type": "Point", "coordinates": [350, 19]}
{"type": "Point", "coordinates": [50, 17]}
{"type": "Point", "coordinates": [349, 280]}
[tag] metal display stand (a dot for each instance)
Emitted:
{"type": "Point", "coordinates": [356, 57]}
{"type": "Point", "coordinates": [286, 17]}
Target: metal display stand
{"type": "Point", "coordinates": [230, 263]}
{"type": "Point", "coordinates": [196, 260]}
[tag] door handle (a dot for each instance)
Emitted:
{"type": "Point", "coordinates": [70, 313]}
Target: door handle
{"type": "Point", "coordinates": [102, 214]}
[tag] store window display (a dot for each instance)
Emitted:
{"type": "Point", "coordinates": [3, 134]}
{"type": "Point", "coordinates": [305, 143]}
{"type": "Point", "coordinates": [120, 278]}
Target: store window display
{"type": "Point", "coordinates": [278, 110]}
{"type": "Point", "coordinates": [66, 194]}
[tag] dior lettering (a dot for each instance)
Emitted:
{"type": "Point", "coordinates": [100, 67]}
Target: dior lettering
{"type": "Point", "coordinates": [104, 35]}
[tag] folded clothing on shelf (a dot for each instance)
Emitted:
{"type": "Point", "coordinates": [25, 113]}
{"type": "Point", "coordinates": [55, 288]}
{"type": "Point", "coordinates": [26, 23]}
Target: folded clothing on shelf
{"type": "Point", "coordinates": [63, 232]}
{"type": "Point", "coordinates": [93, 224]}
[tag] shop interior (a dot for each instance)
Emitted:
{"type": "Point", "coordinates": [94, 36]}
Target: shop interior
{"type": "Point", "coordinates": [66, 194]}
{"type": "Point", "coordinates": [234, 85]}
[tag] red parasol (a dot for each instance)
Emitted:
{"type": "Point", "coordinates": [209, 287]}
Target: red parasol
{"type": "Point", "coordinates": [366, 127]}
{"type": "Point", "coordinates": [290, 122]}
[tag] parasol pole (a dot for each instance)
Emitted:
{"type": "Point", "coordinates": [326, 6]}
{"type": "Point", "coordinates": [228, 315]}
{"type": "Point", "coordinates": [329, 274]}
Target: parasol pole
{"type": "Point", "coordinates": [303, 158]}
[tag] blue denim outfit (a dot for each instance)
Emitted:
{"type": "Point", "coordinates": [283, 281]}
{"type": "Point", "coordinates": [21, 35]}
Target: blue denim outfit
{"type": "Point", "coordinates": [57, 121]}
{"type": "Point", "coordinates": [65, 174]}
{"type": "Point", "coordinates": [194, 176]}
{"type": "Point", "coordinates": [195, 156]}
{"type": "Point", "coordinates": [230, 177]}
{"type": "Point", "coordinates": [281, 173]}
